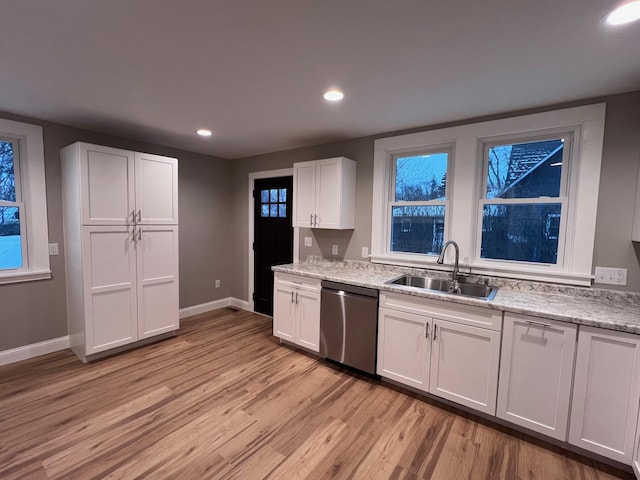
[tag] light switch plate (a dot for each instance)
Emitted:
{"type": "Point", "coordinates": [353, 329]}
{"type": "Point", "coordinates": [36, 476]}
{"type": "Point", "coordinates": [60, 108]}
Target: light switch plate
{"type": "Point", "coordinates": [365, 252]}
{"type": "Point", "coordinates": [308, 242]}
{"type": "Point", "coordinates": [611, 276]}
{"type": "Point", "coordinates": [334, 249]}
{"type": "Point", "coordinates": [53, 249]}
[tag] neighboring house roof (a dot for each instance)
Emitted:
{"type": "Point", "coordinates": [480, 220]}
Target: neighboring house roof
{"type": "Point", "coordinates": [527, 158]}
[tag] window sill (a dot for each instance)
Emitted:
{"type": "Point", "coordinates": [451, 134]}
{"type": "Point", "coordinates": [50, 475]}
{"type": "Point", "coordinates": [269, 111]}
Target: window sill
{"type": "Point", "coordinates": [24, 276]}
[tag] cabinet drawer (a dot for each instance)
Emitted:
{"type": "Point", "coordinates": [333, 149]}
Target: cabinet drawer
{"type": "Point", "coordinates": [298, 281]}
{"type": "Point", "coordinates": [453, 312]}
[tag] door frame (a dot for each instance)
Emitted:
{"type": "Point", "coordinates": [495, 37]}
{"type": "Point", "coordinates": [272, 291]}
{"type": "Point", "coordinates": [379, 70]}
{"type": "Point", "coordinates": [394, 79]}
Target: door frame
{"type": "Point", "coordinates": [283, 172]}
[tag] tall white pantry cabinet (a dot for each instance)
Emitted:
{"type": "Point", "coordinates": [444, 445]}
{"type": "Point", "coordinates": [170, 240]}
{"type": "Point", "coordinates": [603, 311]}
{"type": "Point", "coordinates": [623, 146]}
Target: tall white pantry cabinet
{"type": "Point", "coordinates": [121, 247]}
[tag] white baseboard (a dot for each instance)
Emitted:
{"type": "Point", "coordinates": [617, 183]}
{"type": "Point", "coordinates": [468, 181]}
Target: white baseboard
{"type": "Point", "coordinates": [216, 304]}
{"type": "Point", "coordinates": [34, 350]}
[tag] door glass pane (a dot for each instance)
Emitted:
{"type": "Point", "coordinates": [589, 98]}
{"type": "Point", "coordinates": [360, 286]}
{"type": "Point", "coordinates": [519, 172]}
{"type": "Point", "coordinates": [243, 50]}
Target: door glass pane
{"type": "Point", "coordinates": [417, 229]}
{"type": "Point", "coordinates": [7, 174]}
{"type": "Point", "coordinates": [273, 210]}
{"type": "Point", "coordinates": [265, 210]}
{"type": "Point", "coordinates": [283, 195]}
{"type": "Point", "coordinates": [525, 170]}
{"type": "Point", "coordinates": [274, 195]}
{"type": "Point", "coordinates": [264, 196]}
{"type": "Point", "coordinates": [282, 210]}
{"type": "Point", "coordinates": [524, 232]}
{"type": "Point", "coordinates": [421, 177]}
{"type": "Point", "coordinates": [10, 241]}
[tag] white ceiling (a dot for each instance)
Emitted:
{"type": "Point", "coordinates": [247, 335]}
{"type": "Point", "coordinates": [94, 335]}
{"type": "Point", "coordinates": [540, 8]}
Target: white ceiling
{"type": "Point", "coordinates": [254, 71]}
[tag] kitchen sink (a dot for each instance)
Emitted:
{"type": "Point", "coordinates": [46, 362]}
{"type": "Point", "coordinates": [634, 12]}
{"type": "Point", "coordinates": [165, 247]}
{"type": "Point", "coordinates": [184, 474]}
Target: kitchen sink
{"type": "Point", "coordinates": [476, 290]}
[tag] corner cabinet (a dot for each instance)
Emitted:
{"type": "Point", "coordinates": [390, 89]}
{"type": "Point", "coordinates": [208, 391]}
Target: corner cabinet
{"type": "Point", "coordinates": [606, 393]}
{"type": "Point", "coordinates": [536, 372]}
{"type": "Point", "coordinates": [324, 194]}
{"type": "Point", "coordinates": [296, 310]}
{"type": "Point", "coordinates": [449, 350]}
{"type": "Point", "coordinates": [121, 246]}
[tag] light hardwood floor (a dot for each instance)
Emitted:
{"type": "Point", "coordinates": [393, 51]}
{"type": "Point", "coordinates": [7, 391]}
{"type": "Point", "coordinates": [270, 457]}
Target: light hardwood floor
{"type": "Point", "coordinates": [224, 400]}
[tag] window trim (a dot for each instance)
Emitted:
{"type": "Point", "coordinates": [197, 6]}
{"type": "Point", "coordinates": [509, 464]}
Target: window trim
{"type": "Point", "coordinates": [465, 183]}
{"type": "Point", "coordinates": [29, 140]}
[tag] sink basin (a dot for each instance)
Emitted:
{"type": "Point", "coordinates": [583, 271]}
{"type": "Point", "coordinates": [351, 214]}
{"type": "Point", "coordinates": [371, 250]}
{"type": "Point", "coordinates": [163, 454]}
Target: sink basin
{"type": "Point", "coordinates": [476, 290]}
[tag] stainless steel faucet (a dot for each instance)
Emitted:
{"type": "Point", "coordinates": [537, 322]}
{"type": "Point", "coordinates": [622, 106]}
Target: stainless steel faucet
{"type": "Point", "coordinates": [455, 287]}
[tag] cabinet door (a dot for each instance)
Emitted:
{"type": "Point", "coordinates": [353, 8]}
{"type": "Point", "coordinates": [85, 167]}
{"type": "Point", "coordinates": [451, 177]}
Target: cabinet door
{"type": "Point", "coordinates": [404, 348]}
{"type": "Point", "coordinates": [156, 189]}
{"type": "Point", "coordinates": [107, 177]}
{"type": "Point", "coordinates": [304, 194]}
{"type": "Point", "coordinates": [636, 454]}
{"type": "Point", "coordinates": [606, 392]}
{"type": "Point", "coordinates": [328, 193]}
{"type": "Point", "coordinates": [535, 374]}
{"type": "Point", "coordinates": [284, 312]}
{"type": "Point", "coordinates": [109, 269]}
{"type": "Point", "coordinates": [464, 365]}
{"type": "Point", "coordinates": [308, 319]}
{"type": "Point", "coordinates": [157, 260]}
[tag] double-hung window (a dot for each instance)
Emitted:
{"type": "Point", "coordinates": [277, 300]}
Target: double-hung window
{"type": "Point", "coordinates": [523, 209]}
{"type": "Point", "coordinates": [12, 230]}
{"type": "Point", "coordinates": [417, 208]}
{"type": "Point", "coordinates": [24, 234]}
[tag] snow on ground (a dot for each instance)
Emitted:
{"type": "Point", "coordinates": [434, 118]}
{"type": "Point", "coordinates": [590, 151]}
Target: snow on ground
{"type": "Point", "coordinates": [10, 252]}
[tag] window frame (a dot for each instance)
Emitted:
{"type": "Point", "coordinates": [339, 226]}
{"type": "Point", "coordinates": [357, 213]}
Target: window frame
{"type": "Point", "coordinates": [465, 183]}
{"type": "Point", "coordinates": [392, 202]}
{"type": "Point", "coordinates": [28, 143]}
{"type": "Point", "coordinates": [564, 198]}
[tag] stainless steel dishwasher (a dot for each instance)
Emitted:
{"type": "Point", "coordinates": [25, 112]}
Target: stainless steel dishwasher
{"type": "Point", "coordinates": [349, 325]}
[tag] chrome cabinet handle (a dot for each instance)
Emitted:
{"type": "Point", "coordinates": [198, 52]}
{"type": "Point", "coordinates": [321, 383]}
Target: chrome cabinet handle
{"type": "Point", "coordinates": [133, 217]}
{"type": "Point", "coordinates": [315, 220]}
{"type": "Point", "coordinates": [133, 235]}
{"type": "Point", "coordinates": [435, 331]}
{"type": "Point", "coordinates": [539, 324]}
{"type": "Point", "coordinates": [311, 219]}
{"type": "Point", "coordinates": [296, 298]}
{"type": "Point", "coordinates": [291, 296]}
{"type": "Point", "coordinates": [139, 215]}
{"type": "Point", "coordinates": [139, 234]}
{"type": "Point", "coordinates": [427, 329]}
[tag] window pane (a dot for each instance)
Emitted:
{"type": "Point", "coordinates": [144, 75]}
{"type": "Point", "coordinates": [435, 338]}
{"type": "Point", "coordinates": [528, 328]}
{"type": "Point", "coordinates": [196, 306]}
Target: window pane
{"type": "Point", "coordinates": [283, 195]}
{"type": "Point", "coordinates": [417, 229]}
{"type": "Point", "coordinates": [525, 170]}
{"type": "Point", "coordinates": [274, 196]}
{"type": "Point", "coordinates": [273, 210]}
{"type": "Point", "coordinates": [421, 177]}
{"type": "Point", "coordinates": [264, 196]}
{"type": "Point", "coordinates": [7, 174]}
{"type": "Point", "coordinates": [265, 210]}
{"type": "Point", "coordinates": [10, 242]}
{"type": "Point", "coordinates": [525, 233]}
{"type": "Point", "coordinates": [282, 210]}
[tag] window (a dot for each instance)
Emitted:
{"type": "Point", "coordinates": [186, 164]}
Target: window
{"type": "Point", "coordinates": [23, 209]}
{"type": "Point", "coordinates": [524, 189]}
{"type": "Point", "coordinates": [520, 199]}
{"type": "Point", "coordinates": [418, 206]}
{"type": "Point", "coordinates": [273, 203]}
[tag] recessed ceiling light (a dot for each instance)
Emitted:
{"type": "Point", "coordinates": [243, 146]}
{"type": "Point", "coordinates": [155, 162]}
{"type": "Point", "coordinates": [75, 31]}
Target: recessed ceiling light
{"type": "Point", "coordinates": [626, 13]}
{"type": "Point", "coordinates": [333, 95]}
{"type": "Point", "coordinates": [203, 132]}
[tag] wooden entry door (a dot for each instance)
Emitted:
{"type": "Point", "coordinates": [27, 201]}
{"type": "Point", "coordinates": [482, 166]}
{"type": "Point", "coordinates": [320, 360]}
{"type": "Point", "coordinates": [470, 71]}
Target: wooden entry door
{"type": "Point", "coordinates": [273, 235]}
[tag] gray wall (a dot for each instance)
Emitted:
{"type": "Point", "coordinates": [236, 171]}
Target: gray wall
{"type": "Point", "coordinates": [36, 311]}
{"type": "Point", "coordinates": [616, 198]}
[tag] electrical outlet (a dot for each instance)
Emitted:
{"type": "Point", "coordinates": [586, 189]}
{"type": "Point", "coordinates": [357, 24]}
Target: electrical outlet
{"type": "Point", "coordinates": [217, 283]}
{"type": "Point", "coordinates": [611, 276]}
{"type": "Point", "coordinates": [334, 249]}
{"type": "Point", "coordinates": [365, 252]}
{"type": "Point", "coordinates": [53, 249]}
{"type": "Point", "coordinates": [308, 242]}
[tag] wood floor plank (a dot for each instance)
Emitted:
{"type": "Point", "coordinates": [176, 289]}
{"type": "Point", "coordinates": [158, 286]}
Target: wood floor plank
{"type": "Point", "coordinates": [225, 400]}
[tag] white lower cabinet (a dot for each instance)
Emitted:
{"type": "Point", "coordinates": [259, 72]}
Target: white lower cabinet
{"type": "Point", "coordinates": [606, 393]}
{"type": "Point", "coordinates": [451, 351]}
{"type": "Point", "coordinates": [296, 310]}
{"type": "Point", "coordinates": [536, 373]}
{"type": "Point", "coordinates": [636, 450]}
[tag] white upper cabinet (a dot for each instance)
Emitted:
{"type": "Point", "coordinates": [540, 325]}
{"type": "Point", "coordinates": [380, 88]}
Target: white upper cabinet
{"type": "Point", "coordinates": [606, 392]}
{"type": "Point", "coordinates": [120, 187]}
{"type": "Point", "coordinates": [324, 194]}
{"type": "Point", "coordinates": [536, 373]}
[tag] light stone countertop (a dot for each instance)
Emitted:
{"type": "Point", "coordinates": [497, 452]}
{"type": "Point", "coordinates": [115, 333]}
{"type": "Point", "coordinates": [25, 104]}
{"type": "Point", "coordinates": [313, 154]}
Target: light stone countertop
{"type": "Point", "coordinates": [610, 309]}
